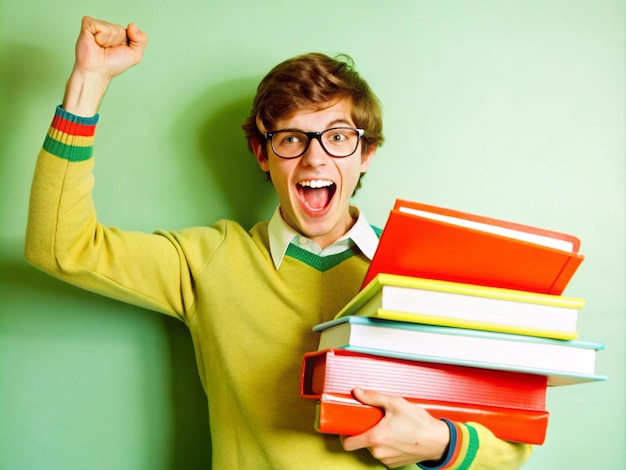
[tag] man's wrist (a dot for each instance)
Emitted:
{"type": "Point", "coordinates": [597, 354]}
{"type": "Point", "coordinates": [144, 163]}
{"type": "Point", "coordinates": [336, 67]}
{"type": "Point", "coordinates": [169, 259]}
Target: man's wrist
{"type": "Point", "coordinates": [447, 452]}
{"type": "Point", "coordinates": [71, 137]}
{"type": "Point", "coordinates": [83, 93]}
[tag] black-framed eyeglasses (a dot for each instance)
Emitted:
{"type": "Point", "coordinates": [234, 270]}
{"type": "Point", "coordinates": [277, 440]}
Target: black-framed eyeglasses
{"type": "Point", "coordinates": [338, 142]}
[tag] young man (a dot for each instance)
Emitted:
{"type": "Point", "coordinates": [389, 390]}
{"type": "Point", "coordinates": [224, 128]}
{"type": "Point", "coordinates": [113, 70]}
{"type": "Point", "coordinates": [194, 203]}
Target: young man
{"type": "Point", "coordinates": [314, 128]}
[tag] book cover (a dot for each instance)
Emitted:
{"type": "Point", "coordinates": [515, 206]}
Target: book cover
{"type": "Point", "coordinates": [436, 302]}
{"type": "Point", "coordinates": [421, 240]}
{"type": "Point", "coordinates": [563, 362]}
{"type": "Point", "coordinates": [346, 416]}
{"type": "Point", "coordinates": [337, 371]}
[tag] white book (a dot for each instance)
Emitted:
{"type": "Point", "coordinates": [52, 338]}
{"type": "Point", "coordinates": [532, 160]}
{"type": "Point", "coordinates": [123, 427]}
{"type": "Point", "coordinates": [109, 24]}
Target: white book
{"type": "Point", "coordinates": [563, 362]}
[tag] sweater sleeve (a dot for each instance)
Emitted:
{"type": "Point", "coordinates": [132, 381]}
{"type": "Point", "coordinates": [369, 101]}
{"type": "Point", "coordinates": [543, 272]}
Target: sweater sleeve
{"type": "Point", "coordinates": [474, 447]}
{"type": "Point", "coordinates": [65, 239]}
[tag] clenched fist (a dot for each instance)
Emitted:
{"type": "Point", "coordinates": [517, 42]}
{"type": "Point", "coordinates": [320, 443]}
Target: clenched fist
{"type": "Point", "coordinates": [103, 51]}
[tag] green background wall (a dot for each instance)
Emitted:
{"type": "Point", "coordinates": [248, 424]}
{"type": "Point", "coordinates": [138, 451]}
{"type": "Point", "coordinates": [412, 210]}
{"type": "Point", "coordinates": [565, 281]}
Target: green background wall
{"type": "Point", "coordinates": [513, 109]}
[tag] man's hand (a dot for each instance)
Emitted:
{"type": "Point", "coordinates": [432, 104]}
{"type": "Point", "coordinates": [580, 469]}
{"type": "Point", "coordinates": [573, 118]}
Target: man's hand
{"type": "Point", "coordinates": [407, 434]}
{"type": "Point", "coordinates": [103, 51]}
{"type": "Point", "coordinates": [108, 49]}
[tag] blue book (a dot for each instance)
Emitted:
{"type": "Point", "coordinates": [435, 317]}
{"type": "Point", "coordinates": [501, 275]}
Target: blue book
{"type": "Point", "coordinates": [563, 362]}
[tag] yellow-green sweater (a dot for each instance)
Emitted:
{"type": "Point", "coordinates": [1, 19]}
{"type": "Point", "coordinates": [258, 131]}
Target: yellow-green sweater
{"type": "Point", "coordinates": [250, 323]}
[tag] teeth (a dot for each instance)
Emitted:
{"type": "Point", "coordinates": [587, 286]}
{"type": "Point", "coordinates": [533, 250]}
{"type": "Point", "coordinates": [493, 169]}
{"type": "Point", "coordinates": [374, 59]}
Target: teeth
{"type": "Point", "coordinates": [316, 183]}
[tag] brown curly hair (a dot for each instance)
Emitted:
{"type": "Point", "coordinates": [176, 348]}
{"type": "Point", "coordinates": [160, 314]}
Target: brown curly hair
{"type": "Point", "coordinates": [308, 81]}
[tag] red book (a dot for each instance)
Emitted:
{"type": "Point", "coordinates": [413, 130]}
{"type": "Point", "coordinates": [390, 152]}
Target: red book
{"type": "Point", "coordinates": [510, 404]}
{"type": "Point", "coordinates": [338, 371]}
{"type": "Point", "coordinates": [344, 415]}
{"type": "Point", "coordinates": [422, 240]}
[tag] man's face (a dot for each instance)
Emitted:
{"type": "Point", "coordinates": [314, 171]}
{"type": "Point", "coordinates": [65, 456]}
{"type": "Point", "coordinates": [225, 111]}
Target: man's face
{"type": "Point", "coordinates": [314, 190]}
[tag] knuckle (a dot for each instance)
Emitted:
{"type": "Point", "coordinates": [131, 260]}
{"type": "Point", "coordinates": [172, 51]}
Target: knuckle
{"type": "Point", "coordinates": [379, 453]}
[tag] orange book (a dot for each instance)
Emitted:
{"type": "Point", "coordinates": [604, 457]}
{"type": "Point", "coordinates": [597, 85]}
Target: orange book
{"type": "Point", "coordinates": [421, 240]}
{"type": "Point", "coordinates": [344, 415]}
{"type": "Point", "coordinates": [511, 404]}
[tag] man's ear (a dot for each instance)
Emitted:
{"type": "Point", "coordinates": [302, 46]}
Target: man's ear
{"type": "Point", "coordinates": [366, 158]}
{"type": "Point", "coordinates": [261, 156]}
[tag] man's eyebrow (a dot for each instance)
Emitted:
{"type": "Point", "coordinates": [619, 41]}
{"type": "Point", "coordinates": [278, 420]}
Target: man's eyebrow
{"type": "Point", "coordinates": [334, 123]}
{"type": "Point", "coordinates": [339, 121]}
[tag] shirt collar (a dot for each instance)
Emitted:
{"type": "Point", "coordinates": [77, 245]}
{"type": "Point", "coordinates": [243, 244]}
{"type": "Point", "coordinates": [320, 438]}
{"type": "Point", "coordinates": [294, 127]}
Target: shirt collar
{"type": "Point", "coordinates": [282, 234]}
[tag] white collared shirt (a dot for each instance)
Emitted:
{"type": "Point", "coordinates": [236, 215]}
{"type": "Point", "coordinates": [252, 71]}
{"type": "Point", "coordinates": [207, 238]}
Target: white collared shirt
{"type": "Point", "coordinates": [281, 235]}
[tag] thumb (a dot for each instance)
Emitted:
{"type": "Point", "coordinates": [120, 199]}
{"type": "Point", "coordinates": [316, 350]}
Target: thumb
{"type": "Point", "coordinates": [374, 398]}
{"type": "Point", "coordinates": [137, 39]}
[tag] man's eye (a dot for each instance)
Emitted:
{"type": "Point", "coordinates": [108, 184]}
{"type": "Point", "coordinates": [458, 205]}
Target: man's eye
{"type": "Point", "coordinates": [291, 139]}
{"type": "Point", "coordinates": [337, 138]}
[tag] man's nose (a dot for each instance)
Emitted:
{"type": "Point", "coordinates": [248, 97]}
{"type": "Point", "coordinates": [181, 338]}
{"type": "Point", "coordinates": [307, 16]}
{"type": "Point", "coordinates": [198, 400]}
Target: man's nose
{"type": "Point", "coordinates": [315, 155]}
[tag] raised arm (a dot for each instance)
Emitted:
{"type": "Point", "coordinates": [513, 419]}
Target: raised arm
{"type": "Point", "coordinates": [103, 51]}
{"type": "Point", "coordinates": [63, 235]}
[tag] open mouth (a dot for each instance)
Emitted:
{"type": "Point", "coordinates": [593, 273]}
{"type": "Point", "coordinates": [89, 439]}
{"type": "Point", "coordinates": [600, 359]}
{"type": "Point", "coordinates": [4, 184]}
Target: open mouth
{"type": "Point", "coordinates": [316, 194]}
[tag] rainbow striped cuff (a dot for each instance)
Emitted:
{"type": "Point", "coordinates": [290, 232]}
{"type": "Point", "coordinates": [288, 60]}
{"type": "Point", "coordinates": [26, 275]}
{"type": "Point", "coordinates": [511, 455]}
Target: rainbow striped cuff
{"type": "Point", "coordinates": [71, 137]}
{"type": "Point", "coordinates": [462, 449]}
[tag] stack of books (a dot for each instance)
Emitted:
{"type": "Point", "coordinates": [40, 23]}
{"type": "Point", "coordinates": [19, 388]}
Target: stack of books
{"type": "Point", "coordinates": [462, 314]}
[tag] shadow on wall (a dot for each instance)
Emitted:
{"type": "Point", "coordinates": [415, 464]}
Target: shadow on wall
{"type": "Point", "coordinates": [25, 70]}
{"type": "Point", "coordinates": [191, 438]}
{"type": "Point", "coordinates": [212, 124]}
{"type": "Point", "coordinates": [45, 311]}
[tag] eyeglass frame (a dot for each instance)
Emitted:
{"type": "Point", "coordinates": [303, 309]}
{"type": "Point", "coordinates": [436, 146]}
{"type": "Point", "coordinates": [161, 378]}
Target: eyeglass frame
{"type": "Point", "coordinates": [318, 136]}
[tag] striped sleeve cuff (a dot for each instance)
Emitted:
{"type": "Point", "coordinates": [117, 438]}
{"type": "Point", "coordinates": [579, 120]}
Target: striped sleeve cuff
{"type": "Point", "coordinates": [71, 137]}
{"type": "Point", "coordinates": [462, 449]}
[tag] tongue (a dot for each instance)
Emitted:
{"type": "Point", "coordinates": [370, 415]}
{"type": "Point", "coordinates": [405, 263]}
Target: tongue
{"type": "Point", "coordinates": [315, 198]}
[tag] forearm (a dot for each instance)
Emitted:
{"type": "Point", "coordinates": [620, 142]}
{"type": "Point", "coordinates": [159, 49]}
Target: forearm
{"type": "Point", "coordinates": [64, 238]}
{"type": "Point", "coordinates": [64, 161]}
{"type": "Point", "coordinates": [84, 92]}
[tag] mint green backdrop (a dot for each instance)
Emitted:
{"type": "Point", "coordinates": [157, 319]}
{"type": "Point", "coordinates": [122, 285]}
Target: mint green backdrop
{"type": "Point", "coordinates": [513, 109]}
